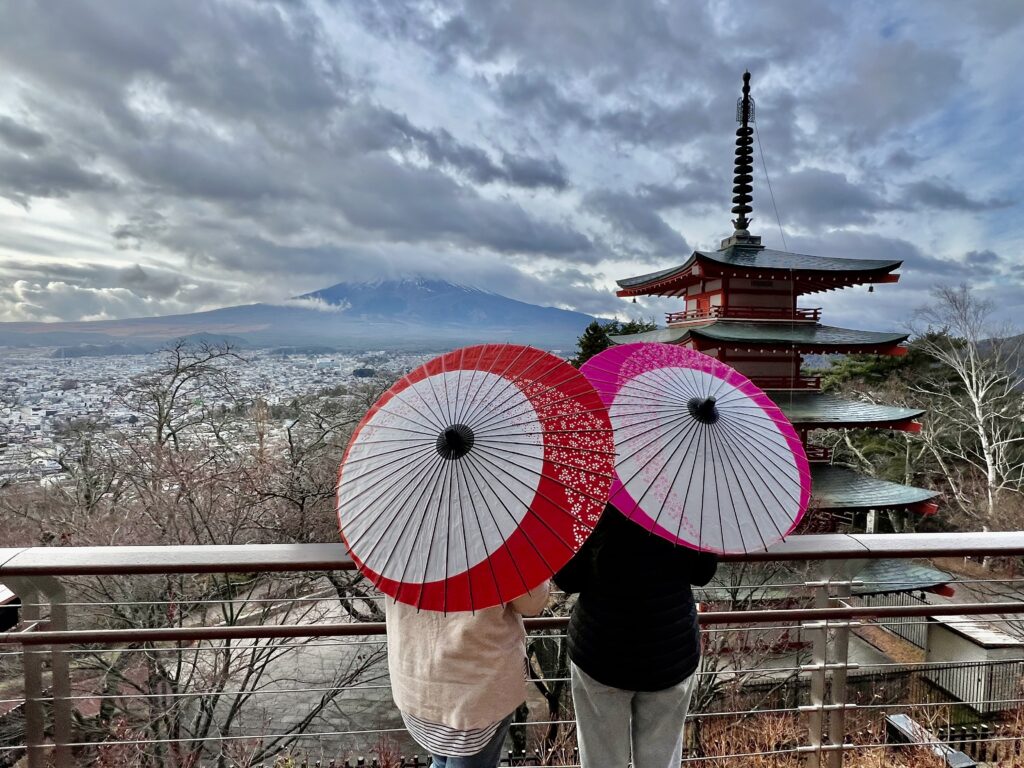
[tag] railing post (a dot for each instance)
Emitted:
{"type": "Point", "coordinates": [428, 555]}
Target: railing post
{"type": "Point", "coordinates": [59, 667]}
{"type": "Point", "coordinates": [841, 665]}
{"type": "Point", "coordinates": [819, 658]}
{"type": "Point", "coordinates": [32, 662]}
{"type": "Point", "coordinates": [820, 668]}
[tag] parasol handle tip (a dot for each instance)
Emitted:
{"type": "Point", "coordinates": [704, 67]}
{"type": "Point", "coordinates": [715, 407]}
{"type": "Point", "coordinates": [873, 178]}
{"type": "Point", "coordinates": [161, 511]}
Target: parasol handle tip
{"type": "Point", "coordinates": [455, 441]}
{"type": "Point", "coordinates": [703, 409]}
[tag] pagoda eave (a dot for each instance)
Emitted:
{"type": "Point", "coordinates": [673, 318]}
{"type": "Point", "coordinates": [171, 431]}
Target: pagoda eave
{"type": "Point", "coordinates": [809, 274]}
{"type": "Point", "coordinates": [823, 410]}
{"type": "Point", "coordinates": [753, 336]}
{"type": "Point", "coordinates": [895, 426]}
{"type": "Point", "coordinates": [838, 489]}
{"type": "Point", "coordinates": [887, 350]}
{"type": "Point", "coordinates": [803, 284]}
{"type": "Point", "coordinates": [889, 576]}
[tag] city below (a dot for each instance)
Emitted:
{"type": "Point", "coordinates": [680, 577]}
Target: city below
{"type": "Point", "coordinates": [42, 393]}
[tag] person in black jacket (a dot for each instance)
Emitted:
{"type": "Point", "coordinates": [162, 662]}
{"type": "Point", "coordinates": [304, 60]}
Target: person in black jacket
{"type": "Point", "coordinates": [633, 642]}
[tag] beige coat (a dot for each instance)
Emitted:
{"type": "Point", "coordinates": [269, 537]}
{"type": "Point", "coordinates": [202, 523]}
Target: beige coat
{"type": "Point", "coordinates": [464, 670]}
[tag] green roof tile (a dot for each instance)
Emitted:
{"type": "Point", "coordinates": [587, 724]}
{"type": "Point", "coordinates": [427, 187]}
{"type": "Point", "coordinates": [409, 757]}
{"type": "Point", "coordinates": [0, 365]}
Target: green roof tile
{"type": "Point", "coordinates": [838, 488]}
{"type": "Point", "coordinates": [664, 335]}
{"type": "Point", "coordinates": [798, 333]}
{"type": "Point", "coordinates": [802, 334]}
{"type": "Point", "coordinates": [883, 576]}
{"type": "Point", "coordinates": [769, 260]}
{"type": "Point", "coordinates": [879, 577]}
{"type": "Point", "coordinates": [766, 258]}
{"type": "Point", "coordinates": [814, 408]}
{"type": "Point", "coordinates": [629, 282]}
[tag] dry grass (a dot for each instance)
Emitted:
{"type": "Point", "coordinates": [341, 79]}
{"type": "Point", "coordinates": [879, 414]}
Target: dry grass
{"type": "Point", "coordinates": [763, 741]}
{"type": "Point", "coordinates": [896, 648]}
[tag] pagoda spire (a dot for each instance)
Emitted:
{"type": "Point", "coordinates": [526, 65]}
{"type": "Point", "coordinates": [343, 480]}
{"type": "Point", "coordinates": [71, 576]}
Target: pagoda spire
{"type": "Point", "coordinates": [744, 160]}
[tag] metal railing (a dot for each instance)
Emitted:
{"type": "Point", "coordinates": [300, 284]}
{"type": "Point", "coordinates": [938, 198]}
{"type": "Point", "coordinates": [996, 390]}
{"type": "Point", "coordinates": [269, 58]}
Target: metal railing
{"type": "Point", "coordinates": [800, 314]}
{"type": "Point", "coordinates": [787, 382]}
{"type": "Point", "coordinates": [823, 684]}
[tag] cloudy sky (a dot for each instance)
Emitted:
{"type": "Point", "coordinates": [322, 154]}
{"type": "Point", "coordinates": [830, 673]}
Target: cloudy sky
{"type": "Point", "coordinates": [168, 157]}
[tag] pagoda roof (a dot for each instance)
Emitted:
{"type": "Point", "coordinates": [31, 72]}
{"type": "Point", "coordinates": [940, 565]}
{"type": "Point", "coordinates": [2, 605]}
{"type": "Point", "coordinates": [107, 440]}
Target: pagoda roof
{"type": "Point", "coordinates": [810, 410]}
{"type": "Point", "coordinates": [768, 258]}
{"type": "Point", "coordinates": [881, 577]}
{"type": "Point", "coordinates": [804, 335]}
{"type": "Point", "coordinates": [878, 577]}
{"type": "Point", "coordinates": [746, 258]}
{"type": "Point", "coordinates": [837, 488]}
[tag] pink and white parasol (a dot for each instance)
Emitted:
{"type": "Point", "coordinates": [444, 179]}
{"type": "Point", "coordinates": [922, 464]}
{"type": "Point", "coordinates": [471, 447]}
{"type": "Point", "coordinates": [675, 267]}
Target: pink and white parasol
{"type": "Point", "coordinates": [475, 477]}
{"type": "Point", "coordinates": [704, 457]}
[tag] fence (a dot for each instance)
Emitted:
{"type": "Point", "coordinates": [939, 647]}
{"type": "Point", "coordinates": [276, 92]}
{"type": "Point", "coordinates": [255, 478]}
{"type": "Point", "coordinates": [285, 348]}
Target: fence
{"type": "Point", "coordinates": [813, 698]}
{"type": "Point", "coordinates": [915, 632]}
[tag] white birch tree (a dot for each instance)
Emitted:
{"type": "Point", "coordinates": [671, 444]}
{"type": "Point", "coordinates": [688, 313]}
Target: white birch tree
{"type": "Point", "coordinates": [975, 428]}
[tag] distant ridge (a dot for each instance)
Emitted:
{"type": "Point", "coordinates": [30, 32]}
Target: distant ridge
{"type": "Point", "coordinates": [407, 314]}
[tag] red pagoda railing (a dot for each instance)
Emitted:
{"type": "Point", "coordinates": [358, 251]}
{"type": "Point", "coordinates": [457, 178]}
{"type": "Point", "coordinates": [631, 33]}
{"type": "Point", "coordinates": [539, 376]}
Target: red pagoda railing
{"type": "Point", "coordinates": [787, 382]}
{"type": "Point", "coordinates": [817, 453]}
{"type": "Point", "coordinates": [745, 313]}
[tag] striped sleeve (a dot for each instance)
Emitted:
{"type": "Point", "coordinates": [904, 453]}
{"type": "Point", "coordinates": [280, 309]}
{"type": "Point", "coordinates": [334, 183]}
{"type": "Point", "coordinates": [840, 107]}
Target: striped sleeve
{"type": "Point", "coordinates": [449, 742]}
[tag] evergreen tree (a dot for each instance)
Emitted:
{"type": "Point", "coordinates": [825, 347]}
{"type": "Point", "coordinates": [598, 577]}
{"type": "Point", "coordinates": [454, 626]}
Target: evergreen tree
{"type": "Point", "coordinates": [595, 336]}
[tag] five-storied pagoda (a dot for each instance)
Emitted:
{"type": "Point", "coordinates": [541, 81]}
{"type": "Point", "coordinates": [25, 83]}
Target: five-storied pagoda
{"type": "Point", "coordinates": [741, 305]}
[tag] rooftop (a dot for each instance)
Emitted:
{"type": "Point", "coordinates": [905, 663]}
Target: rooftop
{"type": "Point", "coordinates": [879, 577]}
{"type": "Point", "coordinates": [766, 259]}
{"type": "Point", "coordinates": [812, 409]}
{"type": "Point", "coordinates": [980, 630]}
{"type": "Point", "coordinates": [804, 335]}
{"type": "Point", "coordinates": [838, 488]}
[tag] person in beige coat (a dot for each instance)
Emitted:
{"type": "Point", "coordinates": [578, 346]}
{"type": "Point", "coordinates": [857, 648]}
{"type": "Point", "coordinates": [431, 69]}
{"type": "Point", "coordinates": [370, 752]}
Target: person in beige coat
{"type": "Point", "coordinates": [457, 678]}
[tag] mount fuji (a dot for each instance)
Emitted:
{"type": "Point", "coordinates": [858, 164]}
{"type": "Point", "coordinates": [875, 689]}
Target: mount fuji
{"type": "Point", "coordinates": [408, 314]}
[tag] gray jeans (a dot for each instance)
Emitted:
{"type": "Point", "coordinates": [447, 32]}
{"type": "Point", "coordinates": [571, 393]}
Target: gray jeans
{"type": "Point", "coordinates": [612, 724]}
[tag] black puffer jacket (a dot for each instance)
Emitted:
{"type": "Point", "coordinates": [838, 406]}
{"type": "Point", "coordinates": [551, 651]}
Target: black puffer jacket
{"type": "Point", "coordinates": [634, 625]}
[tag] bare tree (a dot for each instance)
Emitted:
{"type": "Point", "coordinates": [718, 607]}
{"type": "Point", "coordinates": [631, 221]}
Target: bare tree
{"type": "Point", "coordinates": [974, 429]}
{"type": "Point", "coordinates": [206, 463]}
{"type": "Point", "coordinates": [738, 662]}
{"type": "Point", "coordinates": [161, 397]}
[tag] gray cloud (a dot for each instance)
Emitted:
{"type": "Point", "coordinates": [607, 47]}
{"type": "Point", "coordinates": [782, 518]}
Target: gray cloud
{"type": "Point", "coordinates": [917, 265]}
{"type": "Point", "coordinates": [20, 136]}
{"type": "Point", "coordinates": [645, 121]}
{"type": "Point", "coordinates": [150, 282]}
{"type": "Point", "coordinates": [814, 197]}
{"type": "Point", "coordinates": [703, 191]}
{"type": "Point", "coordinates": [263, 150]}
{"type": "Point", "coordinates": [632, 217]}
{"type": "Point", "coordinates": [48, 291]}
{"type": "Point", "coordinates": [982, 258]}
{"type": "Point", "coordinates": [932, 193]}
{"type": "Point", "coordinates": [22, 178]}
{"type": "Point", "coordinates": [140, 228]}
{"type": "Point", "coordinates": [987, 263]}
{"type": "Point", "coordinates": [369, 127]}
{"type": "Point", "coordinates": [888, 86]}
{"type": "Point", "coordinates": [241, 144]}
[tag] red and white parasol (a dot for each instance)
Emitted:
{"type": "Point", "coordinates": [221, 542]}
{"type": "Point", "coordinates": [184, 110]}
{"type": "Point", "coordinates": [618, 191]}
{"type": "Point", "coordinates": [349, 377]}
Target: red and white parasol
{"type": "Point", "coordinates": [704, 457]}
{"type": "Point", "coordinates": [475, 477]}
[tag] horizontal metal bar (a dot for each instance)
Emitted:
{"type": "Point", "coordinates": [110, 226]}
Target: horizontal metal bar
{"type": "Point", "coordinates": [112, 636]}
{"type": "Point", "coordinates": [96, 561]}
{"type": "Point", "coordinates": [205, 648]}
{"type": "Point", "coordinates": [942, 664]}
{"type": "Point", "coordinates": [958, 741]}
{"type": "Point", "coordinates": [933, 704]}
{"type": "Point", "coordinates": [276, 691]}
{"type": "Point", "coordinates": [101, 561]}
